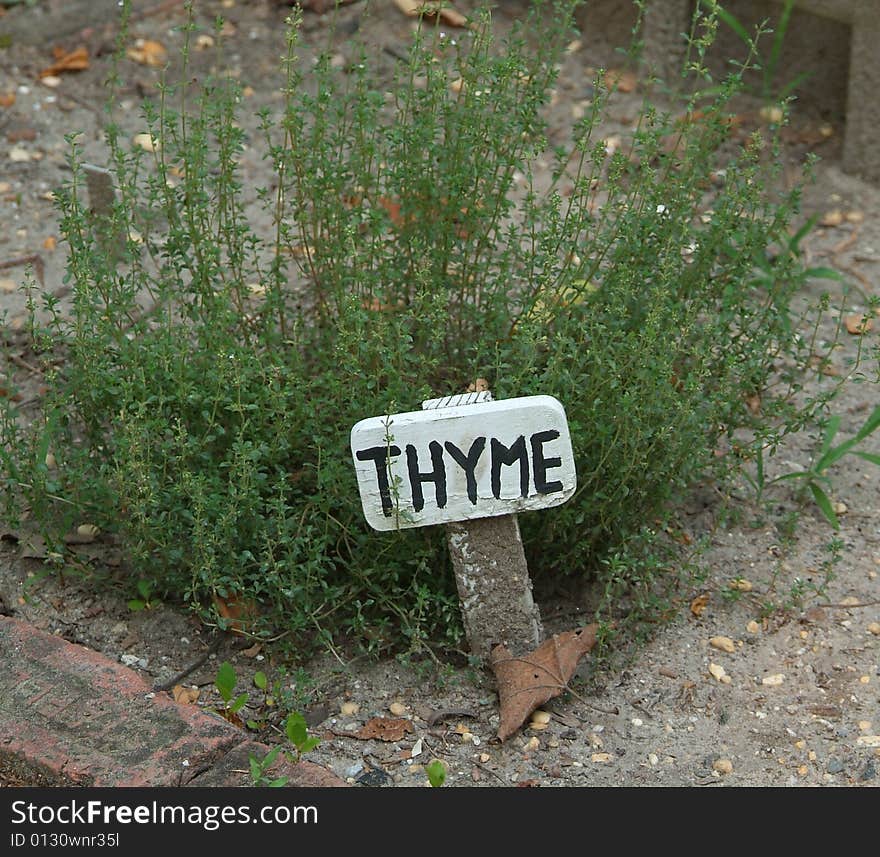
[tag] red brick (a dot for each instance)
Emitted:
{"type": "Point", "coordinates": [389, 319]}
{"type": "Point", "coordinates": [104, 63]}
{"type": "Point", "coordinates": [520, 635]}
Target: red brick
{"type": "Point", "coordinates": [70, 716]}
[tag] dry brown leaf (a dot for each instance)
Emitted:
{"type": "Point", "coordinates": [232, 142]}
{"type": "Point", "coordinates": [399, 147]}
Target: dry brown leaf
{"type": "Point", "coordinates": [237, 612]}
{"type": "Point", "coordinates": [698, 605]}
{"type": "Point", "coordinates": [385, 729]}
{"type": "Point", "coordinates": [185, 695]}
{"type": "Point", "coordinates": [392, 209]}
{"type": "Point", "coordinates": [527, 682]}
{"type": "Point", "coordinates": [34, 547]}
{"type": "Point", "coordinates": [480, 385]}
{"type": "Point", "coordinates": [148, 52]}
{"type": "Point", "coordinates": [50, 242]}
{"type": "Point", "coordinates": [447, 14]}
{"type": "Point", "coordinates": [7, 99]}
{"type": "Point", "coordinates": [620, 79]}
{"type": "Point", "coordinates": [375, 305]}
{"type": "Point", "coordinates": [754, 404]}
{"type": "Point", "coordinates": [858, 324]}
{"type": "Point", "coordinates": [75, 60]}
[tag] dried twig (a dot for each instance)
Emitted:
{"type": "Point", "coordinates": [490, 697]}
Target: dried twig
{"type": "Point", "coordinates": [167, 685]}
{"type": "Point", "coordinates": [851, 606]}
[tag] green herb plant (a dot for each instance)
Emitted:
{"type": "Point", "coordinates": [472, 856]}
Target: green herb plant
{"type": "Point", "coordinates": [403, 242]}
{"type": "Point", "coordinates": [769, 89]}
{"type": "Point", "coordinates": [146, 599]}
{"type": "Point", "coordinates": [436, 771]}
{"type": "Point", "coordinates": [225, 682]}
{"type": "Point", "coordinates": [296, 732]}
{"type": "Point", "coordinates": [815, 479]}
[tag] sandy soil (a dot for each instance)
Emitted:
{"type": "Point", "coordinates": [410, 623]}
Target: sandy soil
{"type": "Point", "coordinates": [789, 697]}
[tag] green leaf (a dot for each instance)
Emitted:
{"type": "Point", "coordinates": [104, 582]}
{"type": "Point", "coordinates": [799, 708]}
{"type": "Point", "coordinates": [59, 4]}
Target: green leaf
{"type": "Point", "coordinates": [824, 505]}
{"type": "Point", "coordinates": [830, 432]}
{"type": "Point", "coordinates": [296, 730]}
{"type": "Point", "coordinates": [731, 22]}
{"type": "Point", "coordinates": [225, 681]}
{"type": "Point", "coordinates": [795, 240]}
{"type": "Point", "coordinates": [800, 474]}
{"type": "Point", "coordinates": [145, 589]}
{"type": "Point", "coordinates": [256, 768]}
{"type": "Point", "coordinates": [436, 772]}
{"type": "Point", "coordinates": [309, 744]}
{"type": "Point", "coordinates": [270, 757]}
{"type": "Point", "coordinates": [238, 702]}
{"type": "Point", "coordinates": [869, 456]}
{"type": "Point", "coordinates": [793, 84]}
{"type": "Point", "coordinates": [136, 604]}
{"type": "Point", "coordinates": [870, 425]}
{"type": "Point", "coordinates": [260, 680]}
{"type": "Point", "coordinates": [821, 273]}
{"type": "Point", "coordinates": [779, 37]}
{"type": "Point", "coordinates": [278, 782]}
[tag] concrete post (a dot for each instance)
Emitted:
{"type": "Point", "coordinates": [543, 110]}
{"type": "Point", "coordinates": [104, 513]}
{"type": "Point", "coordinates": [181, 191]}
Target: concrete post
{"type": "Point", "coordinates": [492, 575]}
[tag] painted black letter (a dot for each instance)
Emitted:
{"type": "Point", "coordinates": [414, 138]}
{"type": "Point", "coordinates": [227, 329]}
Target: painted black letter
{"type": "Point", "coordinates": [541, 465]}
{"type": "Point", "coordinates": [468, 463]}
{"type": "Point", "coordinates": [502, 454]}
{"type": "Point", "coordinates": [379, 456]}
{"type": "Point", "coordinates": [437, 475]}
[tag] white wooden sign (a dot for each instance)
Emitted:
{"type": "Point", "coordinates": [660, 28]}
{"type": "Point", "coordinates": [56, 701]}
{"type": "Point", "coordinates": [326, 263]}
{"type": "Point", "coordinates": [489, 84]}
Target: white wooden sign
{"type": "Point", "coordinates": [466, 461]}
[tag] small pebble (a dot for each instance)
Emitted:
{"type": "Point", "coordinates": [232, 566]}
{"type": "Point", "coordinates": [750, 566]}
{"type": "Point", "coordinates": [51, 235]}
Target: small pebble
{"type": "Point", "coordinates": [723, 766]}
{"type": "Point", "coordinates": [532, 744]}
{"type": "Point", "coordinates": [724, 644]}
{"type": "Point", "coordinates": [771, 113]}
{"type": "Point", "coordinates": [398, 709]}
{"type": "Point", "coordinates": [355, 769]}
{"type": "Point", "coordinates": [602, 758]}
{"type": "Point", "coordinates": [834, 766]}
{"type": "Point", "coordinates": [717, 671]}
{"type": "Point", "coordinates": [874, 628]}
{"type": "Point", "coordinates": [773, 680]}
{"type": "Point", "coordinates": [540, 716]}
{"type": "Point", "coordinates": [349, 708]}
{"type": "Point", "coordinates": [145, 142]}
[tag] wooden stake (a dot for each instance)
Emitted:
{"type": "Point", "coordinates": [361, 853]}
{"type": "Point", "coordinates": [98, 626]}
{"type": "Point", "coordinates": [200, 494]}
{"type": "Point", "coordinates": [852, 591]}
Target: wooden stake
{"type": "Point", "coordinates": [491, 574]}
